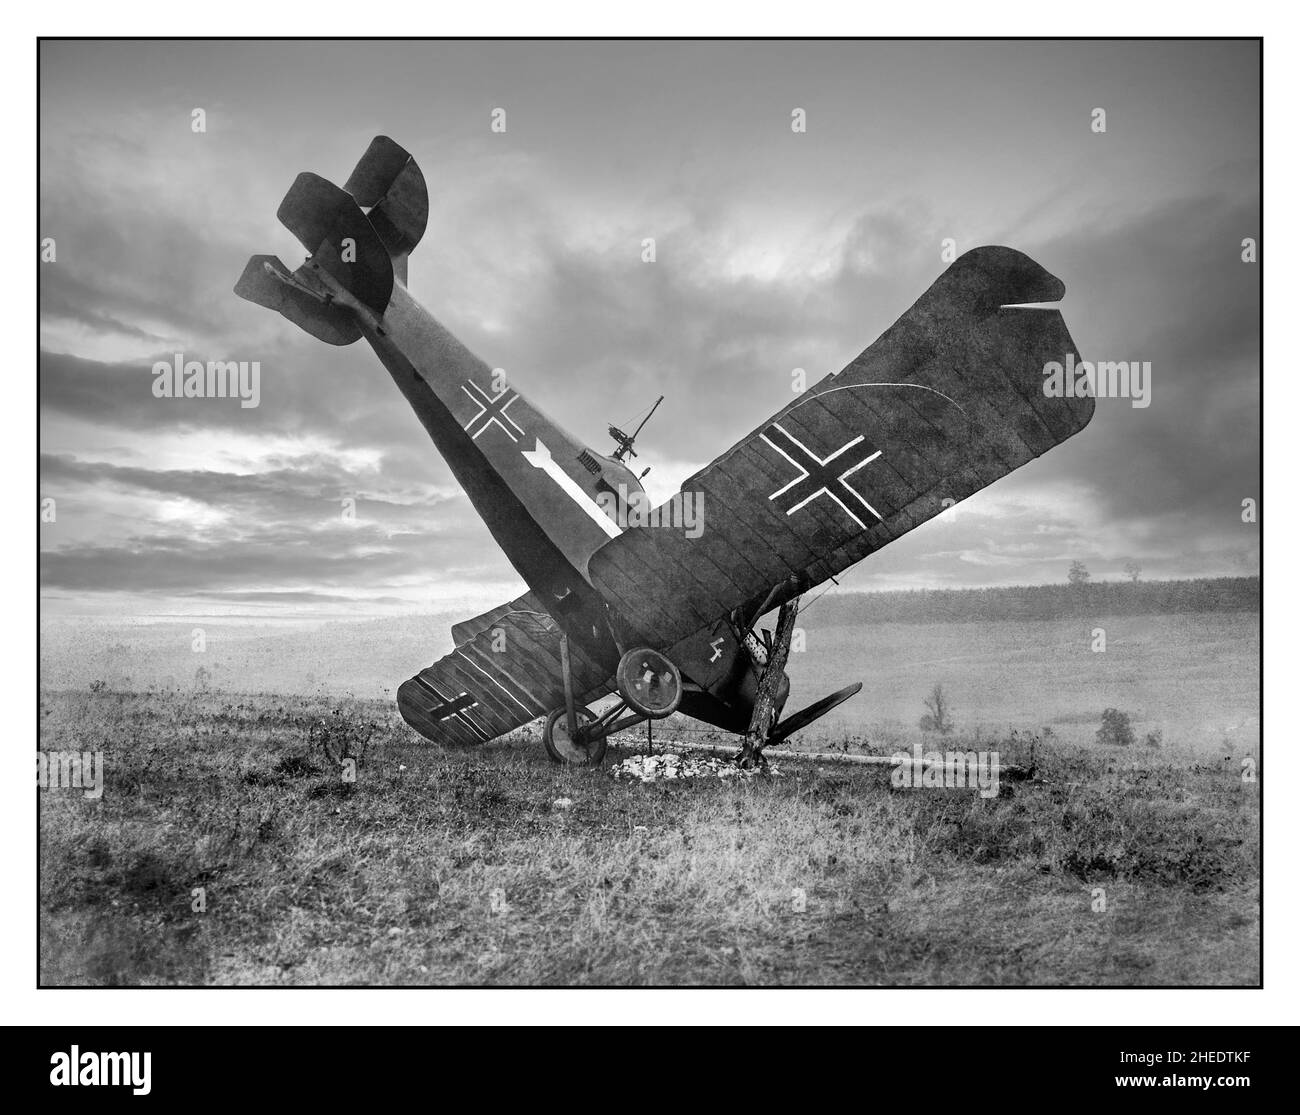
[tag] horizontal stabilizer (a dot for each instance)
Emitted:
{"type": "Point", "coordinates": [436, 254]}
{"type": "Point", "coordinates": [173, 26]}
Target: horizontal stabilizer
{"type": "Point", "coordinates": [497, 679]}
{"type": "Point", "coordinates": [319, 214]}
{"type": "Point", "coordinates": [268, 282]}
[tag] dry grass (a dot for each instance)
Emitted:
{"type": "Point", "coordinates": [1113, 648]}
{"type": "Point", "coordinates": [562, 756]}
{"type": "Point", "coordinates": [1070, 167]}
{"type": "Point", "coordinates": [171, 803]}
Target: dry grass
{"type": "Point", "coordinates": [458, 868]}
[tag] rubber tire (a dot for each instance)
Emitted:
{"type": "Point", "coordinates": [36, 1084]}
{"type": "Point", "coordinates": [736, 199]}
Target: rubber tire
{"type": "Point", "coordinates": [621, 675]}
{"type": "Point", "coordinates": [595, 750]}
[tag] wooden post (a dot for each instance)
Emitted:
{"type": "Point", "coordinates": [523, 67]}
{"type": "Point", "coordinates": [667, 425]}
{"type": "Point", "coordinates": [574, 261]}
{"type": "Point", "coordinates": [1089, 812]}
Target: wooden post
{"type": "Point", "coordinates": [760, 723]}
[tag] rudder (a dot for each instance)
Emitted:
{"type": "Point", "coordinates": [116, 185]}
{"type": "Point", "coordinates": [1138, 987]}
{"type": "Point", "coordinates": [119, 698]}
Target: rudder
{"type": "Point", "coordinates": [358, 237]}
{"type": "Point", "coordinates": [388, 183]}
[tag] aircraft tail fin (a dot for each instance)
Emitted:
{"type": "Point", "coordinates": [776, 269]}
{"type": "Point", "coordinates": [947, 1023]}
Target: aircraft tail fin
{"type": "Point", "coordinates": [330, 224]}
{"type": "Point", "coordinates": [389, 185]}
{"type": "Point", "coordinates": [360, 236]}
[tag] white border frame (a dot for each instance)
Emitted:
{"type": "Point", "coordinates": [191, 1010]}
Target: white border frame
{"type": "Point", "coordinates": [22, 1003]}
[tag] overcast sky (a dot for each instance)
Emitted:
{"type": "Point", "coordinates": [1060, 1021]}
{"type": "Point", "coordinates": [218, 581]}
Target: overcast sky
{"type": "Point", "coordinates": [775, 250]}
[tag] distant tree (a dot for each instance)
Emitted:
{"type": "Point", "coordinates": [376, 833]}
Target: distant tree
{"type": "Point", "coordinates": [1133, 570]}
{"type": "Point", "coordinates": [1078, 575]}
{"type": "Point", "coordinates": [938, 718]}
{"type": "Point", "coordinates": [1115, 728]}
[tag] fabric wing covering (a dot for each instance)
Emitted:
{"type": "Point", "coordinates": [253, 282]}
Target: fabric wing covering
{"type": "Point", "coordinates": [948, 400]}
{"type": "Point", "coordinates": [504, 672]}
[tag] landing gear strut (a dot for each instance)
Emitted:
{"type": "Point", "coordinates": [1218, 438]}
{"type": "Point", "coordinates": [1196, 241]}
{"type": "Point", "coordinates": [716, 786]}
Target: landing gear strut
{"type": "Point", "coordinates": [650, 687]}
{"type": "Point", "coordinates": [764, 715]}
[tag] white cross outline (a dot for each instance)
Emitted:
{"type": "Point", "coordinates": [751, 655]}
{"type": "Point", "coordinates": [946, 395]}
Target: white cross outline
{"type": "Point", "coordinates": [803, 475]}
{"type": "Point", "coordinates": [461, 716]}
{"type": "Point", "coordinates": [496, 681]}
{"type": "Point", "coordinates": [482, 410]}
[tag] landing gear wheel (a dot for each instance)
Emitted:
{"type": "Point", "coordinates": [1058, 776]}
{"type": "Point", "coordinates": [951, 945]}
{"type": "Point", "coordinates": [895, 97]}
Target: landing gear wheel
{"type": "Point", "coordinates": [649, 682]}
{"type": "Point", "coordinates": [579, 752]}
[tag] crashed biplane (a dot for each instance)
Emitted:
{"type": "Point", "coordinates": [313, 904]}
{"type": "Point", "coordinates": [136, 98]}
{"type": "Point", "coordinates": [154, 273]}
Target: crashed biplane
{"type": "Point", "coordinates": [949, 399]}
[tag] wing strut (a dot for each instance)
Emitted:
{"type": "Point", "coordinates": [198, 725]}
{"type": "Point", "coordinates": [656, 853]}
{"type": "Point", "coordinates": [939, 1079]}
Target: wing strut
{"type": "Point", "coordinates": [570, 717]}
{"type": "Point", "coordinates": [649, 687]}
{"type": "Point", "coordinates": [763, 729]}
{"type": "Point", "coordinates": [764, 714]}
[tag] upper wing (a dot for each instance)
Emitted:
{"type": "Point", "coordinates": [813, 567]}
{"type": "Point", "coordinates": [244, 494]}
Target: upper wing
{"type": "Point", "coordinates": [504, 672]}
{"type": "Point", "coordinates": [949, 399]}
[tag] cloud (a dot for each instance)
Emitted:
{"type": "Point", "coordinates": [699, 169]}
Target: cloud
{"type": "Point", "coordinates": [772, 253]}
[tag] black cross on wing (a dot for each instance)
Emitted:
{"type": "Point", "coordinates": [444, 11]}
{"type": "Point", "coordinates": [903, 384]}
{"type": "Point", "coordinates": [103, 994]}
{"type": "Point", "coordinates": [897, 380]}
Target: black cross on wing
{"type": "Point", "coordinates": [453, 708]}
{"type": "Point", "coordinates": [828, 476]}
{"type": "Point", "coordinates": [492, 410]}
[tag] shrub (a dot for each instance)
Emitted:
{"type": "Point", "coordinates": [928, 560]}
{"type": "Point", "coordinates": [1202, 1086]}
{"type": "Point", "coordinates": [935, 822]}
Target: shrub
{"type": "Point", "coordinates": [1115, 728]}
{"type": "Point", "coordinates": [341, 736]}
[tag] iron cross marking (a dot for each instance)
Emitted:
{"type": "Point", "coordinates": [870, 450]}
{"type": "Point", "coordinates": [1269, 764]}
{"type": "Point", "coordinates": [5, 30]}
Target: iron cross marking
{"type": "Point", "coordinates": [491, 410]}
{"type": "Point", "coordinates": [821, 476]}
{"type": "Point", "coordinates": [456, 708]}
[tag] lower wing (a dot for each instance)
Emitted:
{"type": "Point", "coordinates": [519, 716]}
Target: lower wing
{"type": "Point", "coordinates": [504, 672]}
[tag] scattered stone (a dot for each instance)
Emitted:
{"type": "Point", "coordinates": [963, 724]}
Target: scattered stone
{"type": "Point", "coordinates": [673, 767]}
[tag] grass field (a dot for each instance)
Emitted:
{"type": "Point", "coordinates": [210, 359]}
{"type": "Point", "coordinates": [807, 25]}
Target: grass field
{"type": "Point", "coordinates": [1195, 677]}
{"type": "Point", "coordinates": [495, 867]}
